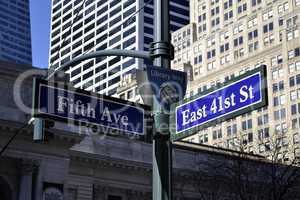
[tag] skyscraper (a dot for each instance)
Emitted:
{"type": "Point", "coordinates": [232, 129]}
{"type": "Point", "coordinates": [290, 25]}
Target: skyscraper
{"type": "Point", "coordinates": [79, 27]}
{"type": "Point", "coordinates": [15, 35]}
{"type": "Point", "coordinates": [228, 38]}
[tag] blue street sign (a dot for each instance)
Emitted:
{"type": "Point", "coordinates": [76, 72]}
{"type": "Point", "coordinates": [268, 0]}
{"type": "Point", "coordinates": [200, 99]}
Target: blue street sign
{"type": "Point", "coordinates": [84, 108]}
{"type": "Point", "coordinates": [244, 94]}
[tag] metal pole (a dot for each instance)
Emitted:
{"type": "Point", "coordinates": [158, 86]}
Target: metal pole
{"type": "Point", "coordinates": [162, 162]}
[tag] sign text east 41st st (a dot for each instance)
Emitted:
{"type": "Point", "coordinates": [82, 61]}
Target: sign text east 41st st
{"type": "Point", "coordinates": [236, 97]}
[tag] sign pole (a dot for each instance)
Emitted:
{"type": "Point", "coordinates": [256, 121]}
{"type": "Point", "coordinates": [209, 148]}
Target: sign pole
{"type": "Point", "coordinates": [162, 159]}
{"type": "Point", "coordinates": [162, 52]}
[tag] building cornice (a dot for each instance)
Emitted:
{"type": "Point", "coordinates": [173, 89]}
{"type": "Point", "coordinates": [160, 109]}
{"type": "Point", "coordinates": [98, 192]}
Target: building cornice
{"type": "Point", "coordinates": [105, 161]}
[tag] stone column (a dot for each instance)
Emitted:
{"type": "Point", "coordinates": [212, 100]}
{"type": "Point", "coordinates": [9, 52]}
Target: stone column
{"type": "Point", "coordinates": [26, 170]}
{"type": "Point", "coordinates": [38, 181]}
{"type": "Point", "coordinates": [100, 192]}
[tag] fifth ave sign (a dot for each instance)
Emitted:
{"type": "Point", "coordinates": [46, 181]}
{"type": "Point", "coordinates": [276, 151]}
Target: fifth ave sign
{"type": "Point", "coordinates": [236, 97]}
{"type": "Point", "coordinates": [67, 104]}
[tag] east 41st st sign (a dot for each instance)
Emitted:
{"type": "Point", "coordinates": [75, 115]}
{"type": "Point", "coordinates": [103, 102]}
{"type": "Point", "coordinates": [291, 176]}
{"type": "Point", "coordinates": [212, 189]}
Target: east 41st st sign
{"type": "Point", "coordinates": [236, 97]}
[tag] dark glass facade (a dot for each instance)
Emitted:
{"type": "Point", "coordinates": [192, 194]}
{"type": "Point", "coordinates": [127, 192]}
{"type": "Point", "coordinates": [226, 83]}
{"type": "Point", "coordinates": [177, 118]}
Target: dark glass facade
{"type": "Point", "coordinates": [15, 34]}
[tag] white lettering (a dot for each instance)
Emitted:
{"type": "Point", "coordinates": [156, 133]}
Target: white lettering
{"type": "Point", "coordinates": [227, 103]}
{"type": "Point", "coordinates": [116, 117]}
{"type": "Point", "coordinates": [77, 107]}
{"type": "Point", "coordinates": [106, 114]}
{"type": "Point", "coordinates": [246, 93]}
{"type": "Point", "coordinates": [90, 111]}
{"type": "Point", "coordinates": [232, 96]}
{"type": "Point", "coordinates": [62, 103]}
{"type": "Point", "coordinates": [185, 115]}
{"type": "Point", "coordinates": [251, 92]}
{"type": "Point", "coordinates": [124, 120]}
{"type": "Point", "coordinates": [189, 117]}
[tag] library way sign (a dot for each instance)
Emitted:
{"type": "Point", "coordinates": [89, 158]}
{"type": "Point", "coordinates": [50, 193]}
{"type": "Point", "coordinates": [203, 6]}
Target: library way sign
{"type": "Point", "coordinates": [235, 97]}
{"type": "Point", "coordinates": [64, 103]}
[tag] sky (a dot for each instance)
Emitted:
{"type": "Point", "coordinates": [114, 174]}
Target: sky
{"type": "Point", "coordinates": [40, 13]}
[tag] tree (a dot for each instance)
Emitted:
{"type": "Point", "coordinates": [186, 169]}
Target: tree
{"type": "Point", "coordinates": [239, 175]}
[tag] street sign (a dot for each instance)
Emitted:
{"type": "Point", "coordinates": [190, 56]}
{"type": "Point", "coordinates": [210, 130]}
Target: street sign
{"type": "Point", "coordinates": [67, 104]}
{"type": "Point", "coordinates": [235, 97]}
{"type": "Point", "coordinates": [167, 85]}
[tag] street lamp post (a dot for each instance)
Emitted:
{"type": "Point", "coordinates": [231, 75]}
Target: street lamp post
{"type": "Point", "coordinates": [162, 158]}
{"type": "Point", "coordinates": [161, 51]}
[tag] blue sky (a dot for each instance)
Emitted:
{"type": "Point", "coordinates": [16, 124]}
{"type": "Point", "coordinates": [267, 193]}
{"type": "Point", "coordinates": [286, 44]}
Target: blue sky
{"type": "Point", "coordinates": [40, 11]}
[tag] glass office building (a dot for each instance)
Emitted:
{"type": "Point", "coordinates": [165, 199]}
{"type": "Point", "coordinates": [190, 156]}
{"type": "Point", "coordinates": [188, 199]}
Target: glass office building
{"type": "Point", "coordinates": [79, 28]}
{"type": "Point", "coordinates": [15, 35]}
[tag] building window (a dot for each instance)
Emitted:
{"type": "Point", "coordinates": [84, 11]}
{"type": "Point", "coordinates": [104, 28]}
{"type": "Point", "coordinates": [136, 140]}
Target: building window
{"type": "Point", "coordinates": [228, 4]}
{"type": "Point", "coordinates": [263, 133]}
{"type": "Point", "coordinates": [242, 8]}
{"type": "Point", "coordinates": [269, 39]}
{"type": "Point", "coordinates": [215, 22]}
{"type": "Point", "coordinates": [291, 54]}
{"type": "Point", "coordinates": [211, 54]}
{"type": "Point", "coordinates": [252, 34]}
{"type": "Point", "coordinates": [224, 36]}
{"type": "Point", "coordinates": [211, 65]}
{"type": "Point", "coordinates": [203, 138]}
{"type": "Point", "coordinates": [255, 2]}
{"type": "Point", "coordinates": [224, 47]}
{"type": "Point", "coordinates": [268, 15]}
{"type": "Point", "coordinates": [215, 11]}
{"type": "Point", "coordinates": [280, 114]}
{"type": "Point", "coordinates": [295, 94]}
{"type": "Point", "coordinates": [228, 15]}
{"type": "Point", "coordinates": [250, 137]}
{"type": "Point", "coordinates": [130, 94]}
{"type": "Point", "coordinates": [202, 17]}
{"type": "Point", "coordinates": [231, 143]}
{"type": "Point", "coordinates": [295, 108]}
{"type": "Point", "coordinates": [283, 7]}
{"type": "Point", "coordinates": [280, 128]}
{"type": "Point", "coordinates": [225, 59]}
{"type": "Point", "coordinates": [247, 124]}
{"type": "Point", "coordinates": [268, 27]}
{"type": "Point", "coordinates": [292, 68]}
{"type": "Point", "coordinates": [239, 53]}
{"type": "Point", "coordinates": [238, 41]}
{"type": "Point", "coordinates": [280, 22]}
{"type": "Point", "coordinates": [279, 100]}
{"type": "Point", "coordinates": [278, 86]}
{"type": "Point", "coordinates": [291, 22]}
{"type": "Point", "coordinates": [237, 29]}
{"type": "Point", "coordinates": [211, 41]}
{"type": "Point", "coordinates": [296, 138]}
{"type": "Point", "coordinates": [276, 60]}
{"type": "Point", "coordinates": [263, 119]}
{"type": "Point", "coordinates": [253, 22]}
{"type": "Point", "coordinates": [231, 130]}
{"type": "Point", "coordinates": [295, 124]}
{"type": "Point", "coordinates": [202, 28]}
{"type": "Point", "coordinates": [253, 47]}
{"type": "Point", "coordinates": [292, 34]}
{"type": "Point", "coordinates": [294, 80]}
{"type": "Point", "coordinates": [217, 134]}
